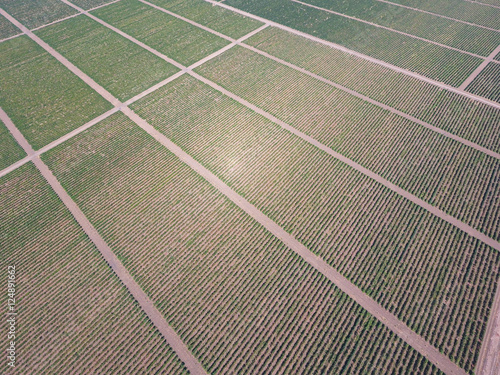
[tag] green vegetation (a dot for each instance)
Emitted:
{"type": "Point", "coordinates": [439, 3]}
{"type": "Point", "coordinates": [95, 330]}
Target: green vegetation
{"type": "Point", "coordinates": [443, 172]}
{"type": "Point", "coordinates": [452, 112]}
{"type": "Point", "coordinates": [415, 55]}
{"type": "Point", "coordinates": [74, 315]}
{"type": "Point", "coordinates": [459, 35]}
{"type": "Point", "coordinates": [214, 273]}
{"type": "Point", "coordinates": [434, 277]}
{"type": "Point", "coordinates": [43, 98]}
{"type": "Point", "coordinates": [460, 9]}
{"type": "Point", "coordinates": [119, 65]}
{"type": "Point", "coordinates": [35, 13]}
{"type": "Point", "coordinates": [10, 151]}
{"type": "Point", "coordinates": [7, 29]}
{"type": "Point", "coordinates": [217, 18]}
{"type": "Point", "coordinates": [89, 4]}
{"type": "Point", "coordinates": [175, 38]}
{"type": "Point", "coordinates": [487, 83]}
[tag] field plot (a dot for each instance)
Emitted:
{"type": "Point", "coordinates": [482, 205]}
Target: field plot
{"type": "Point", "coordinates": [35, 13]}
{"type": "Point", "coordinates": [73, 313]}
{"type": "Point", "coordinates": [111, 60]}
{"type": "Point", "coordinates": [487, 83]}
{"type": "Point", "coordinates": [10, 151]}
{"type": "Point", "coordinates": [430, 60]}
{"type": "Point", "coordinates": [42, 97]}
{"type": "Point", "coordinates": [219, 19]}
{"type": "Point", "coordinates": [240, 300]}
{"type": "Point", "coordinates": [458, 179]}
{"type": "Point", "coordinates": [430, 274]}
{"type": "Point", "coordinates": [477, 122]}
{"type": "Point", "coordinates": [451, 33]}
{"type": "Point", "coordinates": [175, 38]}
{"type": "Point", "coordinates": [89, 4]}
{"type": "Point", "coordinates": [460, 9]}
{"type": "Point", "coordinates": [7, 29]}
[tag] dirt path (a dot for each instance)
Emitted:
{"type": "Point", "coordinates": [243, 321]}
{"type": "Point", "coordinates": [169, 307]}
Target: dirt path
{"type": "Point", "coordinates": [389, 29]}
{"type": "Point", "coordinates": [391, 321]}
{"type": "Point", "coordinates": [360, 55]}
{"type": "Point", "coordinates": [439, 15]}
{"type": "Point", "coordinates": [488, 362]}
{"type": "Point", "coordinates": [480, 68]}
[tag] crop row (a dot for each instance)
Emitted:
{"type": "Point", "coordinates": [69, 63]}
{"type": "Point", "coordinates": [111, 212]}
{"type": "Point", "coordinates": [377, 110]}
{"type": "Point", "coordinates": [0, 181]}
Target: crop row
{"type": "Point", "coordinates": [43, 98]}
{"type": "Point", "coordinates": [487, 82]}
{"type": "Point", "coordinates": [74, 316]}
{"type": "Point", "coordinates": [10, 151]}
{"type": "Point", "coordinates": [36, 13]}
{"type": "Point", "coordinates": [460, 9]}
{"type": "Point", "coordinates": [7, 29]}
{"type": "Point", "coordinates": [452, 112]}
{"type": "Point", "coordinates": [456, 178]}
{"type": "Point", "coordinates": [434, 277]}
{"type": "Point", "coordinates": [419, 56]}
{"type": "Point", "coordinates": [219, 19]}
{"type": "Point", "coordinates": [169, 35]}
{"type": "Point", "coordinates": [119, 65]}
{"type": "Point", "coordinates": [455, 34]}
{"type": "Point", "coordinates": [240, 300]}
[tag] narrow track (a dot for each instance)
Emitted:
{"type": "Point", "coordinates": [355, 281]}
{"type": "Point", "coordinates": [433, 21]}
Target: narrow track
{"type": "Point", "coordinates": [479, 69]}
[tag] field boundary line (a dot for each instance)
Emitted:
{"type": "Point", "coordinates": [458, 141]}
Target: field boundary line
{"type": "Point", "coordinates": [488, 362]}
{"type": "Point", "coordinates": [120, 271]}
{"type": "Point", "coordinates": [438, 15]}
{"type": "Point", "coordinates": [371, 306]}
{"type": "Point", "coordinates": [360, 55]}
{"type": "Point", "coordinates": [10, 37]}
{"type": "Point", "coordinates": [487, 5]}
{"type": "Point", "coordinates": [389, 29]}
{"type": "Point", "coordinates": [338, 86]}
{"type": "Point", "coordinates": [479, 69]}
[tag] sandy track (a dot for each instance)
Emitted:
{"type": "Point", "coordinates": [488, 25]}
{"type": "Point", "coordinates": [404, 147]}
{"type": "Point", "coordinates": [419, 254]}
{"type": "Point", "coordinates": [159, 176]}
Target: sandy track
{"type": "Point", "coordinates": [480, 68]}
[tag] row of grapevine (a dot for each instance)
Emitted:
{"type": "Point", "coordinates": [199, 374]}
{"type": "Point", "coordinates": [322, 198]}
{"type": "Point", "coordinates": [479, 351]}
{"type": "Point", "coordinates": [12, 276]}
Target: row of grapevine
{"type": "Point", "coordinates": [41, 96]}
{"type": "Point", "coordinates": [175, 38]}
{"type": "Point", "coordinates": [10, 151]}
{"type": "Point", "coordinates": [456, 178]}
{"type": "Point", "coordinates": [119, 65]}
{"type": "Point", "coordinates": [442, 30]}
{"type": "Point", "coordinates": [436, 278]}
{"type": "Point", "coordinates": [452, 112]}
{"type": "Point", "coordinates": [34, 14]}
{"type": "Point", "coordinates": [240, 300]}
{"type": "Point", "coordinates": [431, 60]}
{"type": "Point", "coordinates": [73, 314]}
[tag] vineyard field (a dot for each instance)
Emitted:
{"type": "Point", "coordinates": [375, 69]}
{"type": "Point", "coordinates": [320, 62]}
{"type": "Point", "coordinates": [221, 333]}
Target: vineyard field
{"type": "Point", "coordinates": [7, 29]}
{"type": "Point", "coordinates": [226, 22]}
{"type": "Point", "coordinates": [10, 151]}
{"type": "Point", "coordinates": [60, 277]}
{"type": "Point", "coordinates": [111, 60]}
{"type": "Point", "coordinates": [213, 272]}
{"type": "Point", "coordinates": [458, 179]}
{"type": "Point", "coordinates": [402, 256]}
{"type": "Point", "coordinates": [452, 112]}
{"type": "Point", "coordinates": [418, 56]}
{"type": "Point", "coordinates": [175, 38]}
{"type": "Point", "coordinates": [36, 13]}
{"type": "Point", "coordinates": [448, 32]}
{"type": "Point", "coordinates": [487, 83]}
{"type": "Point", "coordinates": [41, 96]}
{"type": "Point", "coordinates": [460, 9]}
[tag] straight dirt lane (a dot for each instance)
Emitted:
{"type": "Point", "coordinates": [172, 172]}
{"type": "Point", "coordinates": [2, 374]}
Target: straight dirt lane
{"type": "Point", "coordinates": [480, 68]}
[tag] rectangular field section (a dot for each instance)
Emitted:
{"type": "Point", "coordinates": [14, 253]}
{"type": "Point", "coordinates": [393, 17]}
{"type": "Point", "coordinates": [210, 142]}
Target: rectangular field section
{"type": "Point", "coordinates": [72, 311]}
{"type": "Point", "coordinates": [455, 113]}
{"type": "Point", "coordinates": [214, 272]}
{"type": "Point", "coordinates": [7, 29]}
{"type": "Point", "coordinates": [35, 13]}
{"type": "Point", "coordinates": [42, 97]}
{"type": "Point", "coordinates": [487, 83]}
{"type": "Point", "coordinates": [434, 277]}
{"type": "Point", "coordinates": [457, 179]}
{"type": "Point", "coordinates": [175, 38]}
{"type": "Point", "coordinates": [10, 151]}
{"type": "Point", "coordinates": [119, 65]}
